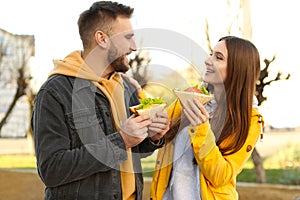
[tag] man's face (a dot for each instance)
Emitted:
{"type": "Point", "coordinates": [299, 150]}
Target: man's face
{"type": "Point", "coordinates": [121, 44]}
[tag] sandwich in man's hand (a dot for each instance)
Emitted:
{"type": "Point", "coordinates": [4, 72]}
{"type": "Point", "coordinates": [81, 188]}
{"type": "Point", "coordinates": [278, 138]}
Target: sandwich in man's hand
{"type": "Point", "coordinates": [149, 106]}
{"type": "Point", "coordinates": [194, 92]}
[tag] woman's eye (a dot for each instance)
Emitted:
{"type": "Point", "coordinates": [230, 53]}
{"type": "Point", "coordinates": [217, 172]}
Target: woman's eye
{"type": "Point", "coordinates": [219, 57]}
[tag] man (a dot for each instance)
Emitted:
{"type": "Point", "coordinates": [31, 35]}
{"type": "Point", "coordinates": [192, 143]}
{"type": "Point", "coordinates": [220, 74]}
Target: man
{"type": "Point", "coordinates": [87, 144]}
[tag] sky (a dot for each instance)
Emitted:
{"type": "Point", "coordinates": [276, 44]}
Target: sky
{"type": "Point", "coordinates": [54, 26]}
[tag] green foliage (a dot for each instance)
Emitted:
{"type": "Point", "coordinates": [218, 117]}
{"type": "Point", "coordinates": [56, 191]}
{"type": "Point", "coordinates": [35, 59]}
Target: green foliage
{"type": "Point", "coordinates": [287, 158]}
{"type": "Point", "coordinates": [149, 101]}
{"type": "Point", "coordinates": [274, 176]}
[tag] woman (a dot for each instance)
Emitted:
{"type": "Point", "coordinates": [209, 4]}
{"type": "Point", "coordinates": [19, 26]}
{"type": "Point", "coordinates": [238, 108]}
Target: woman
{"type": "Point", "coordinates": [207, 146]}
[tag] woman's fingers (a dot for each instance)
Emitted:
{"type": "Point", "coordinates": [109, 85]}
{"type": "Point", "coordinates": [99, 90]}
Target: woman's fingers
{"type": "Point", "coordinates": [201, 107]}
{"type": "Point", "coordinates": [195, 112]}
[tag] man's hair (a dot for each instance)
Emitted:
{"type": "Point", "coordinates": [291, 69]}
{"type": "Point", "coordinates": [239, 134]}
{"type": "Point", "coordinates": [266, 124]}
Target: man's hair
{"type": "Point", "coordinates": [100, 16]}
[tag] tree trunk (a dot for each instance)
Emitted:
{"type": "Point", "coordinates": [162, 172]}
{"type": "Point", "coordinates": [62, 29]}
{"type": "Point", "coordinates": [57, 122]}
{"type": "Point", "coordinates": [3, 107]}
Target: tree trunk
{"type": "Point", "coordinates": [9, 111]}
{"type": "Point", "coordinates": [247, 22]}
{"type": "Point", "coordinates": [259, 169]}
{"type": "Point", "coordinates": [30, 139]}
{"type": "Point", "coordinates": [30, 142]}
{"type": "Point", "coordinates": [247, 34]}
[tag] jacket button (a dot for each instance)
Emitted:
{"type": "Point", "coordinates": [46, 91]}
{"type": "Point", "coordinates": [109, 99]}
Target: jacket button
{"type": "Point", "coordinates": [116, 196]}
{"type": "Point", "coordinates": [193, 130]}
{"type": "Point", "coordinates": [158, 162]}
{"type": "Point", "coordinates": [249, 147]}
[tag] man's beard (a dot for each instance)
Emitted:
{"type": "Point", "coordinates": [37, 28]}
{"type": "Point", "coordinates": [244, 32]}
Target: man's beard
{"type": "Point", "coordinates": [119, 65]}
{"type": "Point", "coordinates": [117, 61]}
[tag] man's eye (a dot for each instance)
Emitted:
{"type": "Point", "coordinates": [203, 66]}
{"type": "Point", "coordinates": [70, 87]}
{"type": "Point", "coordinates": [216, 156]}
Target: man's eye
{"type": "Point", "coordinates": [129, 36]}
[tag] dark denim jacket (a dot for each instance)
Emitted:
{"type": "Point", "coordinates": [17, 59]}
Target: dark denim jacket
{"type": "Point", "coordinates": [77, 148]}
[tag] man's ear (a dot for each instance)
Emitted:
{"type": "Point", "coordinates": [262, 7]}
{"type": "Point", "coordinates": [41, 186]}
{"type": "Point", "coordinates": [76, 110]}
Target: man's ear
{"type": "Point", "coordinates": [101, 39]}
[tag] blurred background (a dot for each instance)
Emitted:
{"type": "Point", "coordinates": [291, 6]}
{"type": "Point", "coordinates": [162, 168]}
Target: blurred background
{"type": "Point", "coordinates": [269, 24]}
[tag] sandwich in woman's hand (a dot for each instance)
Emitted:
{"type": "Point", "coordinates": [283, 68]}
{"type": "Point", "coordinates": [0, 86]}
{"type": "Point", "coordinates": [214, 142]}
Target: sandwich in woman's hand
{"type": "Point", "coordinates": [194, 92]}
{"type": "Point", "coordinates": [149, 106]}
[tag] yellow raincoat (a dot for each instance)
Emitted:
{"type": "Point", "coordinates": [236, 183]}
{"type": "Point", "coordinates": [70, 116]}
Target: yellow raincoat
{"type": "Point", "coordinates": [217, 172]}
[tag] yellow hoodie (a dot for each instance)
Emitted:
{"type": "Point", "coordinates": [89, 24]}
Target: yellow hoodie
{"type": "Point", "coordinates": [217, 172]}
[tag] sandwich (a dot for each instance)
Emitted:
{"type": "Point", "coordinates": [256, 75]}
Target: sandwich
{"type": "Point", "coordinates": [149, 106]}
{"type": "Point", "coordinates": [200, 93]}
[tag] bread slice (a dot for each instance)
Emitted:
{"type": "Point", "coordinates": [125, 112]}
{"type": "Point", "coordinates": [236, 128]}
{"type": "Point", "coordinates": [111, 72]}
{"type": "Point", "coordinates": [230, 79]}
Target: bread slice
{"type": "Point", "coordinates": [151, 110]}
{"type": "Point", "coordinates": [183, 96]}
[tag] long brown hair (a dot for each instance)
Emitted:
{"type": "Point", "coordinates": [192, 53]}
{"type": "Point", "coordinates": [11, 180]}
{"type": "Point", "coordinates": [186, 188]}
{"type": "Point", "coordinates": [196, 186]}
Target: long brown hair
{"type": "Point", "coordinates": [232, 116]}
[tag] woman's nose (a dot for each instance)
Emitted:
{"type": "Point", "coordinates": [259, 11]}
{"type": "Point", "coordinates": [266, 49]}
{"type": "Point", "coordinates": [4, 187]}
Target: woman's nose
{"type": "Point", "coordinates": [208, 61]}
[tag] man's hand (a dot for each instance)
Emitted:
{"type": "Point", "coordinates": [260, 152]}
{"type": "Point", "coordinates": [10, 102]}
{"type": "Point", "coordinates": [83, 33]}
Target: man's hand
{"type": "Point", "coordinates": [159, 126]}
{"type": "Point", "coordinates": [134, 130]}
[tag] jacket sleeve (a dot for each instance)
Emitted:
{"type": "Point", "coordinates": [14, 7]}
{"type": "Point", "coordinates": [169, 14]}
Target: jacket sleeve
{"type": "Point", "coordinates": [57, 162]}
{"type": "Point", "coordinates": [219, 170]}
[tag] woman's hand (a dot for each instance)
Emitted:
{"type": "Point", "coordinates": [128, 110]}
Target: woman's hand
{"type": "Point", "coordinates": [195, 112]}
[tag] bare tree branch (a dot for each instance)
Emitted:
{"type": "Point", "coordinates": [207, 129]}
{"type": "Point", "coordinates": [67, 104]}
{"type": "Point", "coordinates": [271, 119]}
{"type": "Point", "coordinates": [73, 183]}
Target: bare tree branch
{"type": "Point", "coordinates": [139, 67]}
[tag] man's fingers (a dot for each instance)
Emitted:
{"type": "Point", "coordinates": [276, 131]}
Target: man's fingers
{"type": "Point", "coordinates": [132, 116]}
{"type": "Point", "coordinates": [144, 123]}
{"type": "Point", "coordinates": [160, 120]}
{"type": "Point", "coordinates": [158, 125]}
{"type": "Point", "coordinates": [161, 115]}
{"type": "Point", "coordinates": [141, 118]}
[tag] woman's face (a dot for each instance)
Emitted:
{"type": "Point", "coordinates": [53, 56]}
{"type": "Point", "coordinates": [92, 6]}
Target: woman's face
{"type": "Point", "coordinates": [216, 65]}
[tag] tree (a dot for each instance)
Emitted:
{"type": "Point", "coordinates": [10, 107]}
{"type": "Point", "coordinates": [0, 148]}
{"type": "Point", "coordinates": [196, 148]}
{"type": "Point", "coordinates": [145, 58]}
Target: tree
{"type": "Point", "coordinates": [22, 85]}
{"type": "Point", "coordinates": [264, 80]}
{"type": "Point", "coordinates": [139, 67]}
{"type": "Point", "coordinates": [15, 54]}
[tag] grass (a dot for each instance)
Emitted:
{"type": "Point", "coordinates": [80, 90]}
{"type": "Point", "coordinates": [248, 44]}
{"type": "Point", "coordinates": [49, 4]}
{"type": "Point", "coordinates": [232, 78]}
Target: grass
{"type": "Point", "coordinates": [21, 161]}
{"type": "Point", "coordinates": [281, 168]}
{"type": "Point", "coordinates": [274, 176]}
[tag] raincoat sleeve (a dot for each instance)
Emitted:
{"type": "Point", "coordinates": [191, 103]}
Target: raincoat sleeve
{"type": "Point", "coordinates": [217, 169]}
